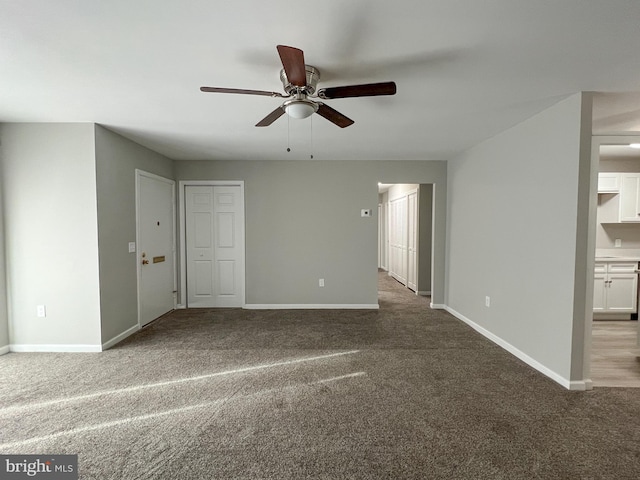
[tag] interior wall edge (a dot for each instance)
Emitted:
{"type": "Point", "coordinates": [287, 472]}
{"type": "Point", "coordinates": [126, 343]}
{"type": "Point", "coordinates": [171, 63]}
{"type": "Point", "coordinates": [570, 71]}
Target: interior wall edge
{"type": "Point", "coordinates": [118, 338]}
{"type": "Point", "coordinates": [578, 385]}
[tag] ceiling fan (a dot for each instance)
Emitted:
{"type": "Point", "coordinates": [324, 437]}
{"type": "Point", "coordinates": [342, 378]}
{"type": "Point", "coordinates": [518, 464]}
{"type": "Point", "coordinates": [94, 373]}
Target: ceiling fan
{"type": "Point", "coordinates": [300, 81]}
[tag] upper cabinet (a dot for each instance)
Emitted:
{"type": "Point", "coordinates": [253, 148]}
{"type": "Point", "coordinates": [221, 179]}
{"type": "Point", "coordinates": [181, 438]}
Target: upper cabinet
{"type": "Point", "coordinates": [623, 203]}
{"type": "Point", "coordinates": [630, 197]}
{"type": "Point", "coordinates": [609, 182]}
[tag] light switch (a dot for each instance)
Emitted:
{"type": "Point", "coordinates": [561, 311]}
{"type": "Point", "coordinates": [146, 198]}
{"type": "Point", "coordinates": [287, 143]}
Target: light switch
{"type": "Point", "coordinates": [132, 247]}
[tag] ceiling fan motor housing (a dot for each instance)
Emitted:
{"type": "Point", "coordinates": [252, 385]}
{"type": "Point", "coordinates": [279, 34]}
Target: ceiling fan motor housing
{"type": "Point", "coordinates": [313, 76]}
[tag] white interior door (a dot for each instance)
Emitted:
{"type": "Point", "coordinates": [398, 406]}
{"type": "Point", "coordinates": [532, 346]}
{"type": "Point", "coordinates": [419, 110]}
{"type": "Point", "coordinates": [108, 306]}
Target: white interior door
{"type": "Point", "coordinates": [214, 239]}
{"type": "Point", "coordinates": [398, 239]}
{"type": "Point", "coordinates": [412, 241]}
{"type": "Point", "coordinates": [155, 246]}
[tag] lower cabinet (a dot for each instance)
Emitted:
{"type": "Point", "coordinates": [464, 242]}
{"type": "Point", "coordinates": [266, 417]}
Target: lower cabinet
{"type": "Point", "coordinates": [615, 287]}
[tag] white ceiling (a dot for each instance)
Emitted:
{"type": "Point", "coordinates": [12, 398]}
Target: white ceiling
{"type": "Point", "coordinates": [465, 70]}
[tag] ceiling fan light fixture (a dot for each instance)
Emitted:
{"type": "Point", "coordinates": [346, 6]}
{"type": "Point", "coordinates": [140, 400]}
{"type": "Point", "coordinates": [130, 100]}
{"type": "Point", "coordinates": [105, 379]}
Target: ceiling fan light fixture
{"type": "Point", "coordinates": [300, 108]}
{"type": "Point", "coordinates": [634, 145]}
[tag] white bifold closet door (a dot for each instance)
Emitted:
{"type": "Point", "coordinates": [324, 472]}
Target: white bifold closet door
{"type": "Point", "coordinates": [403, 239]}
{"type": "Point", "coordinates": [398, 239]}
{"type": "Point", "coordinates": [214, 256]}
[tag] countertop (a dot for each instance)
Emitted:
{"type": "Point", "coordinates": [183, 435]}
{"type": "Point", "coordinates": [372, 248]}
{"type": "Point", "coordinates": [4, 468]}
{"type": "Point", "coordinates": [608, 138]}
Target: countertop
{"type": "Point", "coordinates": [617, 255]}
{"type": "Point", "coordinates": [612, 258]}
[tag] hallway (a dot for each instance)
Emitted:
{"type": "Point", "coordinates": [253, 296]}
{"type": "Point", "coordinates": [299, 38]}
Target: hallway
{"type": "Point", "coordinates": [392, 294]}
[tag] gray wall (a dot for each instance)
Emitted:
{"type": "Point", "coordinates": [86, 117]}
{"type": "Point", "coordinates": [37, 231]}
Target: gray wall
{"type": "Point", "coordinates": [425, 233]}
{"type": "Point", "coordinates": [69, 205]}
{"type": "Point", "coordinates": [303, 223]}
{"type": "Point", "coordinates": [117, 158]}
{"type": "Point", "coordinates": [51, 236]}
{"type": "Point", "coordinates": [513, 224]}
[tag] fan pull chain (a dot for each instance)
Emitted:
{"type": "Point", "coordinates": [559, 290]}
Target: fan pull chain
{"type": "Point", "coordinates": [288, 133]}
{"type": "Point", "coordinates": [311, 123]}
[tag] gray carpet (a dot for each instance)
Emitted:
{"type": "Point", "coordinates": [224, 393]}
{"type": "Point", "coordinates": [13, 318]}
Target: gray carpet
{"type": "Point", "coordinates": [404, 392]}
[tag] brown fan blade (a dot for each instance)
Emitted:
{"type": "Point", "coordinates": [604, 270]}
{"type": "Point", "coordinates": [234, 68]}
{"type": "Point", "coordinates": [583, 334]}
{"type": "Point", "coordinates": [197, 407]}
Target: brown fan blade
{"type": "Point", "coordinates": [241, 91]}
{"type": "Point", "coordinates": [333, 115]}
{"type": "Point", "coordinates": [272, 117]}
{"type": "Point", "coordinates": [366, 90]}
{"type": "Point", "coordinates": [293, 62]}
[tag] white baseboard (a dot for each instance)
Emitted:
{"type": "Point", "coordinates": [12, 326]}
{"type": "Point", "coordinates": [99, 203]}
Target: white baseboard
{"type": "Point", "coordinates": [181, 306]}
{"type": "Point", "coordinates": [55, 348]}
{"type": "Point", "coordinates": [118, 338]}
{"type": "Point", "coordinates": [310, 306]}
{"type": "Point", "coordinates": [424, 293]}
{"type": "Point", "coordinates": [438, 306]}
{"type": "Point", "coordinates": [556, 377]}
{"type": "Point", "coordinates": [580, 385]}
{"type": "Point", "coordinates": [5, 349]}
{"type": "Point", "coordinates": [612, 316]}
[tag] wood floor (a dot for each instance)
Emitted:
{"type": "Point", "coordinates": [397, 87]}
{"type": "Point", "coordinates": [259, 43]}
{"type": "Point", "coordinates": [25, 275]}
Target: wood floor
{"type": "Point", "coordinates": [615, 355]}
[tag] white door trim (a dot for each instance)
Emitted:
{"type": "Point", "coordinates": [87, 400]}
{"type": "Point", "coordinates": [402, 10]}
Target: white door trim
{"type": "Point", "coordinates": [142, 173]}
{"type": "Point", "coordinates": [183, 227]}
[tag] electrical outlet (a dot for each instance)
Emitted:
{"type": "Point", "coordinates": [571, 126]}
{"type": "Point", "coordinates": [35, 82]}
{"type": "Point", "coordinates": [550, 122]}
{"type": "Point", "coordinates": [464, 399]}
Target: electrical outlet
{"type": "Point", "coordinates": [487, 301]}
{"type": "Point", "coordinates": [618, 242]}
{"type": "Point", "coordinates": [321, 282]}
{"type": "Point", "coordinates": [365, 212]}
{"type": "Point", "coordinates": [41, 311]}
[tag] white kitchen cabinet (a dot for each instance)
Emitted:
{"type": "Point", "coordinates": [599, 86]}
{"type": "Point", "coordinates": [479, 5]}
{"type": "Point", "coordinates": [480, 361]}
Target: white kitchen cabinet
{"type": "Point", "coordinates": [608, 182]}
{"type": "Point", "coordinates": [630, 197]}
{"type": "Point", "coordinates": [600, 282]}
{"type": "Point", "coordinates": [615, 287]}
{"type": "Point", "coordinates": [622, 293]}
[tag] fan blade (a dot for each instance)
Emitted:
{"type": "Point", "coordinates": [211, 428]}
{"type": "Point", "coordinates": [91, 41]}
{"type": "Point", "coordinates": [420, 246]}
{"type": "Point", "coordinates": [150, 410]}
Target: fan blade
{"type": "Point", "coordinates": [293, 62]}
{"type": "Point", "coordinates": [333, 115]}
{"type": "Point", "coordinates": [242, 91]}
{"type": "Point", "coordinates": [366, 90]}
{"type": "Point", "coordinates": [272, 117]}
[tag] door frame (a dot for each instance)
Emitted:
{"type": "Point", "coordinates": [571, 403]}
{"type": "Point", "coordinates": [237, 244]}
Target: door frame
{"type": "Point", "coordinates": [183, 229]}
{"type": "Point", "coordinates": [141, 173]}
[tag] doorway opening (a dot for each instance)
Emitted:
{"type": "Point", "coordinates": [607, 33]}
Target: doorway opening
{"type": "Point", "coordinates": [614, 333]}
{"type": "Point", "coordinates": [405, 234]}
